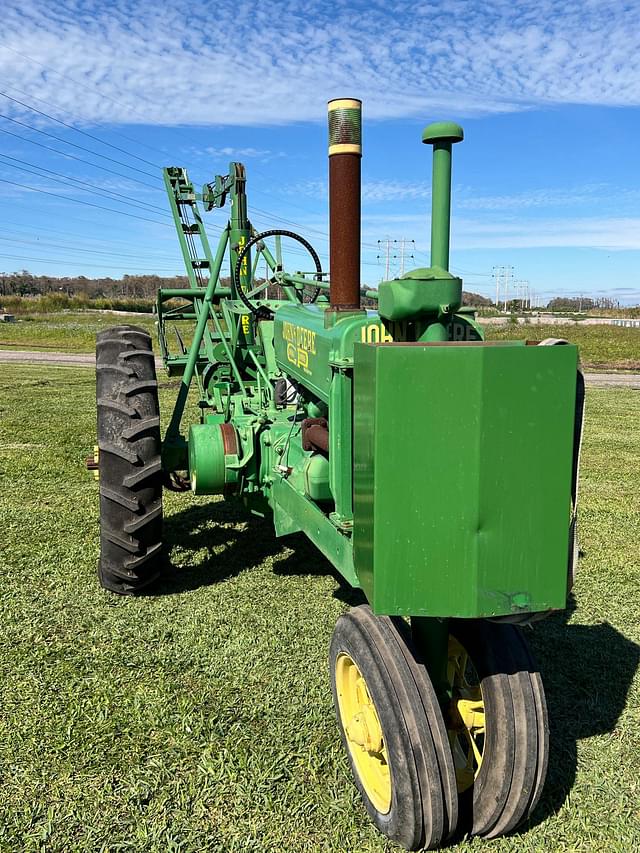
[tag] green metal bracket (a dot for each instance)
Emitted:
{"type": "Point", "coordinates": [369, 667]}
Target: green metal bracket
{"type": "Point", "coordinates": [215, 194]}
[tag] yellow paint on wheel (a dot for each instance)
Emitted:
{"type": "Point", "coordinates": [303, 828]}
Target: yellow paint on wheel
{"type": "Point", "coordinates": [466, 717]}
{"type": "Point", "coordinates": [364, 734]}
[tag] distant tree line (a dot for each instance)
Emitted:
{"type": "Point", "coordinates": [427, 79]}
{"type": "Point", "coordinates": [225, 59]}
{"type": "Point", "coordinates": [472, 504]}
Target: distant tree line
{"type": "Point", "coordinates": [24, 283]}
{"type": "Point", "coordinates": [581, 303]}
{"type": "Point", "coordinates": [145, 287]}
{"type": "Point", "coordinates": [475, 299]}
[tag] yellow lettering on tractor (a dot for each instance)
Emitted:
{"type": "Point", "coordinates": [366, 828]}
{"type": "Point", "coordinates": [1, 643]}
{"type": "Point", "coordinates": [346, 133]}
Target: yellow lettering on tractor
{"type": "Point", "coordinates": [301, 343]}
{"type": "Point", "coordinates": [375, 333]}
{"type": "Point", "coordinates": [244, 266]}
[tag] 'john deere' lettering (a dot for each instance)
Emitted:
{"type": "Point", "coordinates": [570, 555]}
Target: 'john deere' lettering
{"type": "Point", "coordinates": [301, 343]}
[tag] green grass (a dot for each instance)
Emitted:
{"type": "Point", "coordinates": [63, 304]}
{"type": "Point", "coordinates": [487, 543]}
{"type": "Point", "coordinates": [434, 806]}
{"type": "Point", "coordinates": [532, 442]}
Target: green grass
{"type": "Point", "coordinates": [200, 718]}
{"type": "Point", "coordinates": [601, 347]}
{"type": "Point", "coordinates": [58, 302]}
{"type": "Point", "coordinates": [64, 332]}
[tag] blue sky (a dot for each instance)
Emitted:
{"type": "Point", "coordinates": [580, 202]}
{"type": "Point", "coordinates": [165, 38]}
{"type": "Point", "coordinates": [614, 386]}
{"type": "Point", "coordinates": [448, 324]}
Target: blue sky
{"type": "Point", "coordinates": [547, 180]}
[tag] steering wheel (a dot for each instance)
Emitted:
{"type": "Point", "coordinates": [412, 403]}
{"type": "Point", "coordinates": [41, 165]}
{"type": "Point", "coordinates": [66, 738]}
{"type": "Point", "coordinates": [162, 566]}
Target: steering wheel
{"type": "Point", "coordinates": [275, 265]}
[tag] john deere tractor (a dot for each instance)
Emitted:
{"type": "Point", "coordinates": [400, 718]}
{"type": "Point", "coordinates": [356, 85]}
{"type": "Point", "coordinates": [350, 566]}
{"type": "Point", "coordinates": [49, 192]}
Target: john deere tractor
{"type": "Point", "coordinates": [436, 471]}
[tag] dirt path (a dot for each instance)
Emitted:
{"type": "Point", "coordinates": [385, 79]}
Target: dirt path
{"type": "Point", "coordinates": [613, 380]}
{"type": "Point", "coordinates": [54, 359]}
{"type": "Point", "coordinates": [79, 359]}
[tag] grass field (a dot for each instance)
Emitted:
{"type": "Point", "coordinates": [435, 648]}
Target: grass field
{"type": "Point", "coordinates": [199, 718]}
{"type": "Point", "coordinates": [601, 347]}
{"type": "Point", "coordinates": [65, 331]}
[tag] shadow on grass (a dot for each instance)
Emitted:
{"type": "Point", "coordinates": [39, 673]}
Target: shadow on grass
{"type": "Point", "coordinates": [587, 671]}
{"type": "Point", "coordinates": [234, 541]}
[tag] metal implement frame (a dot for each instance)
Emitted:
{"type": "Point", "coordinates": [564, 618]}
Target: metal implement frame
{"type": "Point", "coordinates": [224, 333]}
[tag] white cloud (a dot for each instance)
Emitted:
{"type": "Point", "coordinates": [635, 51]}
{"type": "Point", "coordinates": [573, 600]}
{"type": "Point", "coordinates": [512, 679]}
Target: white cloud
{"type": "Point", "coordinates": [387, 190]}
{"type": "Point", "coordinates": [312, 189]}
{"type": "Point", "coordinates": [228, 151]}
{"type": "Point", "coordinates": [611, 234]}
{"type": "Point", "coordinates": [536, 198]}
{"type": "Point", "coordinates": [603, 233]}
{"type": "Point", "coordinates": [372, 190]}
{"type": "Point", "coordinates": [236, 63]}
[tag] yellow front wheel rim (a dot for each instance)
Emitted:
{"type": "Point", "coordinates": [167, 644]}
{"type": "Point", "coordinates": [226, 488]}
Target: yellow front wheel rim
{"type": "Point", "coordinates": [466, 718]}
{"type": "Point", "coordinates": [363, 732]}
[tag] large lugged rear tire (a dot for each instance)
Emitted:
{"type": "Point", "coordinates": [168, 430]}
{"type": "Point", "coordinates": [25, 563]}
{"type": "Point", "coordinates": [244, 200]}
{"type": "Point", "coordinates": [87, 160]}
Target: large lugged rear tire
{"type": "Point", "coordinates": [129, 461]}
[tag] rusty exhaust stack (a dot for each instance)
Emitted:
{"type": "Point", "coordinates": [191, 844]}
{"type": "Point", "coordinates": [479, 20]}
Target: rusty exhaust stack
{"type": "Point", "coordinates": [345, 153]}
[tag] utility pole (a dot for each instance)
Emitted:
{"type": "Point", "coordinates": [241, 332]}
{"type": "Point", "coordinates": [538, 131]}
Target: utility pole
{"type": "Point", "coordinates": [389, 249]}
{"type": "Point", "coordinates": [403, 242]}
{"type": "Point", "coordinates": [502, 276]}
{"type": "Point", "coordinates": [521, 288]}
{"type": "Point", "coordinates": [507, 279]}
{"type": "Point", "coordinates": [387, 254]}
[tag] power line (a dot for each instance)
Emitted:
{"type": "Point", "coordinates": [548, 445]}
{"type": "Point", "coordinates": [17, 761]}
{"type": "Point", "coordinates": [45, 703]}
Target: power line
{"type": "Point", "coordinates": [87, 88]}
{"type": "Point", "coordinates": [95, 138]}
{"type": "Point", "coordinates": [70, 234]}
{"type": "Point", "coordinates": [122, 150]}
{"type": "Point", "coordinates": [92, 187]}
{"type": "Point", "coordinates": [87, 203]}
{"type": "Point", "coordinates": [68, 217]}
{"type": "Point", "coordinates": [389, 247]}
{"type": "Point", "coordinates": [82, 189]}
{"type": "Point", "coordinates": [65, 154]}
{"type": "Point", "coordinates": [75, 145]}
{"type": "Point", "coordinates": [470, 272]}
{"type": "Point", "coordinates": [76, 248]}
{"type": "Point", "coordinates": [129, 108]}
{"type": "Point", "coordinates": [279, 218]}
{"type": "Point", "coordinates": [68, 112]}
{"type": "Point", "coordinates": [97, 266]}
{"type": "Point", "coordinates": [502, 275]}
{"type": "Point", "coordinates": [77, 130]}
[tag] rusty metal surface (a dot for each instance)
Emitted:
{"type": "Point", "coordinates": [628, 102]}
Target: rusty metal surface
{"type": "Point", "coordinates": [229, 440]}
{"type": "Point", "coordinates": [315, 434]}
{"type": "Point", "coordinates": [344, 231]}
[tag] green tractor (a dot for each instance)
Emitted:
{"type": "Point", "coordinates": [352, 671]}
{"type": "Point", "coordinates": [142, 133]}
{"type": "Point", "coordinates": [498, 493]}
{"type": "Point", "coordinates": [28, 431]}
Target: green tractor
{"type": "Point", "coordinates": [435, 471]}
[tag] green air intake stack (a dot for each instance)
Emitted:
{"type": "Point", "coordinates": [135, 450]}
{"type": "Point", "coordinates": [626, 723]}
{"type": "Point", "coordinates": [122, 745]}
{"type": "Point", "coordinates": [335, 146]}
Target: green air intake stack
{"type": "Point", "coordinates": [442, 135]}
{"type": "Point", "coordinates": [430, 296]}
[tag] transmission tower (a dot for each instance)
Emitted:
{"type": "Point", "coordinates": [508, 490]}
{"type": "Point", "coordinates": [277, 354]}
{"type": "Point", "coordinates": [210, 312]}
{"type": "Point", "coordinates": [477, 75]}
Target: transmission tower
{"type": "Point", "coordinates": [395, 250]}
{"type": "Point", "coordinates": [403, 243]}
{"type": "Point", "coordinates": [502, 276]}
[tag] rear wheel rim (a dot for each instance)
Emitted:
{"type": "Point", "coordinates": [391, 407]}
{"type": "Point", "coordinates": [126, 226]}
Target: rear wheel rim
{"type": "Point", "coordinates": [466, 721]}
{"type": "Point", "coordinates": [363, 731]}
